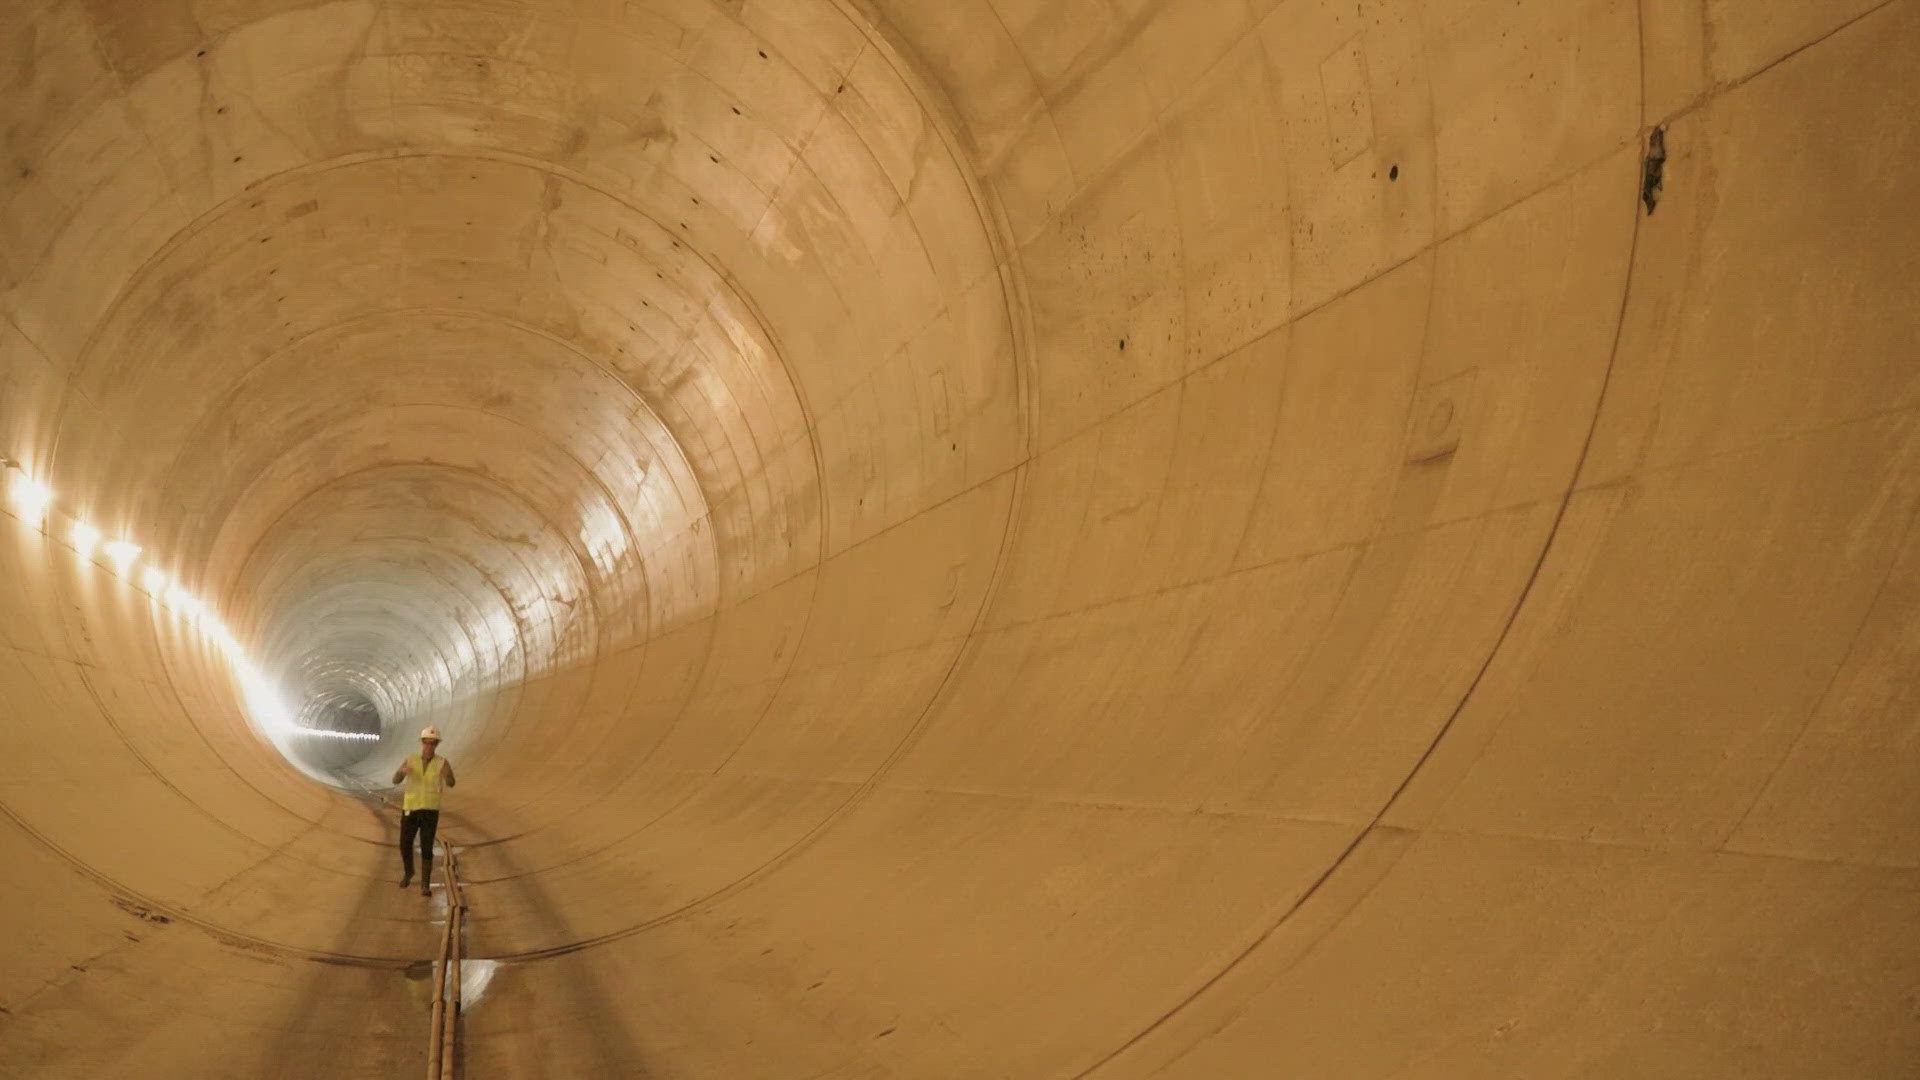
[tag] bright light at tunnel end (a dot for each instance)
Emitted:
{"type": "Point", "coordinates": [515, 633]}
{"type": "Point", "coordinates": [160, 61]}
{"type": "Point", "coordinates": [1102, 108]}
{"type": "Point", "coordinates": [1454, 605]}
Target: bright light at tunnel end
{"type": "Point", "coordinates": [269, 709]}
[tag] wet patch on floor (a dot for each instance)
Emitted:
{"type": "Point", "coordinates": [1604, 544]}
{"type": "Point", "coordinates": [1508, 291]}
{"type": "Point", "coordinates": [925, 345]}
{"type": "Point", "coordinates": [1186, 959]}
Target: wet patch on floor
{"type": "Point", "coordinates": [419, 976]}
{"type": "Point", "coordinates": [475, 977]}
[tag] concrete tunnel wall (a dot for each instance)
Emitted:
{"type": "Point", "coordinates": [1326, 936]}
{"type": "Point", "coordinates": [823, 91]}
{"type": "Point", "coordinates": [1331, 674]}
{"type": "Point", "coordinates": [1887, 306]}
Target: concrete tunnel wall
{"type": "Point", "coordinates": [990, 538]}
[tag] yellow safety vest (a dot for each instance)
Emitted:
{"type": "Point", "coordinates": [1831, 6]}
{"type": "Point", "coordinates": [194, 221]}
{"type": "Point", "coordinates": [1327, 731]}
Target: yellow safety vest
{"type": "Point", "coordinates": [423, 784]}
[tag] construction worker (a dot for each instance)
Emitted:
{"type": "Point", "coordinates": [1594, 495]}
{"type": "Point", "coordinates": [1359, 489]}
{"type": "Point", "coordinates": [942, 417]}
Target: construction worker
{"type": "Point", "coordinates": [425, 774]}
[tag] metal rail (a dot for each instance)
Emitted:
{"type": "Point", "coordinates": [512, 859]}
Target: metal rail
{"type": "Point", "coordinates": [446, 984]}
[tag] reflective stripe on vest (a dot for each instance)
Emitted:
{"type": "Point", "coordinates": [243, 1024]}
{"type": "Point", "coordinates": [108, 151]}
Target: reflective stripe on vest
{"type": "Point", "coordinates": [423, 784]}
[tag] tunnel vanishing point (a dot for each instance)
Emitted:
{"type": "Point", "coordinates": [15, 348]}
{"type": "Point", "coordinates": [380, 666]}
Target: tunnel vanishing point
{"type": "Point", "coordinates": [964, 538]}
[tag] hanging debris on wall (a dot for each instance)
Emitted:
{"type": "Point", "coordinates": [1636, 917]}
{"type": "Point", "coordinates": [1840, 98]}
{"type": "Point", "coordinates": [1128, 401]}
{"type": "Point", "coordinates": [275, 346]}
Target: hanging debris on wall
{"type": "Point", "coordinates": [1654, 173]}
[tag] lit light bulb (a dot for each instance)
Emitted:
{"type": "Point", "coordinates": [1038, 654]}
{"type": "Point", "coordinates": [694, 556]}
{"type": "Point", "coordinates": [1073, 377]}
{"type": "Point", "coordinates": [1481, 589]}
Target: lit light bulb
{"type": "Point", "coordinates": [122, 553]}
{"type": "Point", "coordinates": [30, 497]}
{"type": "Point", "coordinates": [85, 539]}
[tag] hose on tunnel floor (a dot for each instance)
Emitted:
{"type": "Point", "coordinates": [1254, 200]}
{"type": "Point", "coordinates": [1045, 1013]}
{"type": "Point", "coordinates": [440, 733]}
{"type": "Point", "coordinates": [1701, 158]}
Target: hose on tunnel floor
{"type": "Point", "coordinates": [442, 1037]}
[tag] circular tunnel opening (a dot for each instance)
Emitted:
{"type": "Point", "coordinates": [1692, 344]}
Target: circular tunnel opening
{"type": "Point", "coordinates": [709, 415]}
{"type": "Point", "coordinates": [339, 727]}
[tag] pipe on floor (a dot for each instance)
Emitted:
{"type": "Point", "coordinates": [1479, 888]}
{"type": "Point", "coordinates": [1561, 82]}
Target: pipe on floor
{"type": "Point", "coordinates": [446, 995]}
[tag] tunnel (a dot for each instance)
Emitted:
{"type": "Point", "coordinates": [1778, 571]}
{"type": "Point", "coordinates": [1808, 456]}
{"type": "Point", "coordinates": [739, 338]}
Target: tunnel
{"type": "Point", "coordinates": [1049, 539]}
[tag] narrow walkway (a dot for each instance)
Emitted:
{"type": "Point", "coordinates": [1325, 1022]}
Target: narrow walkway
{"type": "Point", "coordinates": [389, 1006]}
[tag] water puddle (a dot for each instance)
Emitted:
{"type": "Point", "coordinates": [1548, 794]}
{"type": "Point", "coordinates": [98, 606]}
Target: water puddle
{"type": "Point", "coordinates": [475, 976]}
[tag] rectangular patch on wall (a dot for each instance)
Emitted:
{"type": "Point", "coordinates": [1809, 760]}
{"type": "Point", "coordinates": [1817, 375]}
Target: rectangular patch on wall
{"type": "Point", "coordinates": [940, 402]}
{"type": "Point", "coordinates": [1349, 101]}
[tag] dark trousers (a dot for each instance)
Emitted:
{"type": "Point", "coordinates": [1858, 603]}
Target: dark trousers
{"type": "Point", "coordinates": [423, 822]}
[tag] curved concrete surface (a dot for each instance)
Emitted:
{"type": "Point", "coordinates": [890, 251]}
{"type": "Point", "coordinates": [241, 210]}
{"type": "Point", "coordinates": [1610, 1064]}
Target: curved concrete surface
{"type": "Point", "coordinates": [978, 538]}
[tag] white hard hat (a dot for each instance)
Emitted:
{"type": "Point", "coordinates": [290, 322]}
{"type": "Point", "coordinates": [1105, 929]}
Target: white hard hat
{"type": "Point", "coordinates": [430, 733]}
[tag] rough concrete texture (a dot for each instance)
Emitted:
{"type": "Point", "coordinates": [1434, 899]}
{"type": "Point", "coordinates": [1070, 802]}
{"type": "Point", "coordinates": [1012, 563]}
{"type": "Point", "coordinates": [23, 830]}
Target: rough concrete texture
{"type": "Point", "coordinates": [971, 538]}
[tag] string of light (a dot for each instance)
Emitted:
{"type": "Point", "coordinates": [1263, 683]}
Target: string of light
{"type": "Point", "coordinates": [34, 503]}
